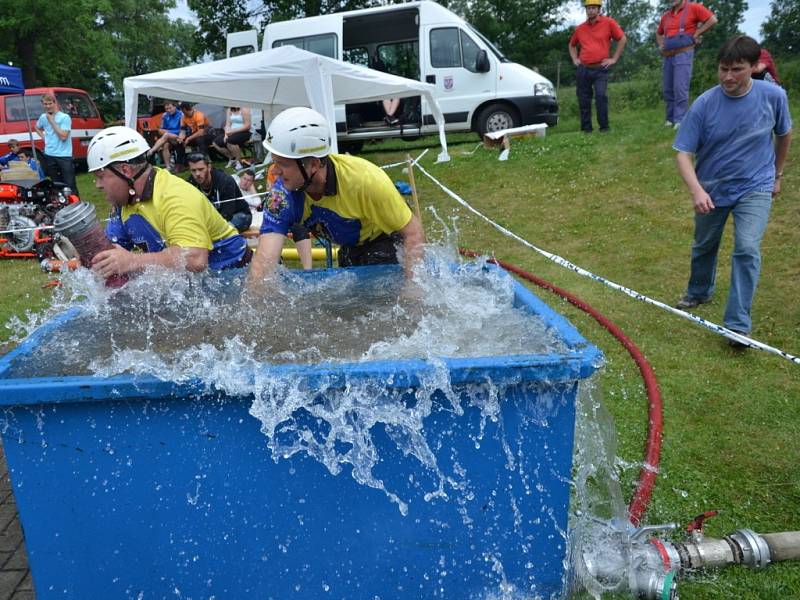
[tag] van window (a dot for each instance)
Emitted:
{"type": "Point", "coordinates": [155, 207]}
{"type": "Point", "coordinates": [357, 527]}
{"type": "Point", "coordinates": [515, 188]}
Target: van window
{"type": "Point", "coordinates": [324, 44]}
{"type": "Point", "coordinates": [76, 105]}
{"type": "Point", "coordinates": [400, 58]}
{"type": "Point", "coordinates": [469, 52]}
{"type": "Point", "coordinates": [15, 110]}
{"type": "Point", "coordinates": [452, 47]}
{"type": "Point", "coordinates": [241, 51]}
{"type": "Point", "coordinates": [445, 48]}
{"type": "Point", "coordinates": [500, 56]}
{"type": "Point", "coordinates": [356, 56]}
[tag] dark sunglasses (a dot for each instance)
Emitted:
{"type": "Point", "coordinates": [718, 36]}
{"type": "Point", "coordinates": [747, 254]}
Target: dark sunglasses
{"type": "Point", "coordinates": [197, 157]}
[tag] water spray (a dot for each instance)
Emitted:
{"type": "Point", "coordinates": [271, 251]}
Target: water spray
{"type": "Point", "coordinates": [78, 224]}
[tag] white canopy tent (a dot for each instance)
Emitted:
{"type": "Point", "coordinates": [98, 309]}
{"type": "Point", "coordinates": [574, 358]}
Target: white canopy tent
{"type": "Point", "coordinates": [276, 79]}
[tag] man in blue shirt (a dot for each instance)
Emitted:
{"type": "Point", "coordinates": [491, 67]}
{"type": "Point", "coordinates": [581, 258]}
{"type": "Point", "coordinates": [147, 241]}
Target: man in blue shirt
{"type": "Point", "coordinates": [169, 131]}
{"type": "Point", "coordinates": [738, 134]}
{"type": "Point", "coordinates": [55, 128]}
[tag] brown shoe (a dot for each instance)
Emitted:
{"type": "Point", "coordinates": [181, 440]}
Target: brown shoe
{"type": "Point", "coordinates": [688, 302]}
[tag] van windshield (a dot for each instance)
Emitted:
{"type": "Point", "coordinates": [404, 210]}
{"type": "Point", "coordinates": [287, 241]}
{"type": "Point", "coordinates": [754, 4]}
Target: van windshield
{"type": "Point", "coordinates": [15, 109]}
{"type": "Point", "coordinates": [76, 105]}
{"type": "Point", "coordinates": [500, 56]}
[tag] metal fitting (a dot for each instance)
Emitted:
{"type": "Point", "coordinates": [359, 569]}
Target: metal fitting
{"type": "Point", "coordinates": [754, 550]}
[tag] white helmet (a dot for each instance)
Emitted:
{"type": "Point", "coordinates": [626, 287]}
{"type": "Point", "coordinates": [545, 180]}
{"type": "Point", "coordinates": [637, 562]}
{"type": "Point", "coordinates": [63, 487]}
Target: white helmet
{"type": "Point", "coordinates": [115, 144]}
{"type": "Point", "coordinates": [299, 132]}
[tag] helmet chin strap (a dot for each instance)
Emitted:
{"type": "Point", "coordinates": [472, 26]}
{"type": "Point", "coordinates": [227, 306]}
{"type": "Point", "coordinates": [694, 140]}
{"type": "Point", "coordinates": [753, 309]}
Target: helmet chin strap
{"type": "Point", "coordinates": [131, 180]}
{"type": "Point", "coordinates": [306, 179]}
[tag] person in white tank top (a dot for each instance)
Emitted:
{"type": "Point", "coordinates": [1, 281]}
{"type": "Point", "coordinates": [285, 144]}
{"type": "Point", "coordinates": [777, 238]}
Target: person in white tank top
{"type": "Point", "coordinates": [235, 135]}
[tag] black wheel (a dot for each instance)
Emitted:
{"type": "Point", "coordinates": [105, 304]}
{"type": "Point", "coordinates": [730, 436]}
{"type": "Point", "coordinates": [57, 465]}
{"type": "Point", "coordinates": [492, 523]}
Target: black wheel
{"type": "Point", "coordinates": [496, 117]}
{"type": "Point", "coordinates": [351, 146]}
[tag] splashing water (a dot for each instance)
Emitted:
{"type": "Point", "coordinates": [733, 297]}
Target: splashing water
{"type": "Point", "coordinates": [195, 328]}
{"type": "Point", "coordinates": [175, 319]}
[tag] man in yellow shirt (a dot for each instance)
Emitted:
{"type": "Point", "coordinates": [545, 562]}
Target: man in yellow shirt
{"type": "Point", "coordinates": [343, 198]}
{"type": "Point", "coordinates": [167, 219]}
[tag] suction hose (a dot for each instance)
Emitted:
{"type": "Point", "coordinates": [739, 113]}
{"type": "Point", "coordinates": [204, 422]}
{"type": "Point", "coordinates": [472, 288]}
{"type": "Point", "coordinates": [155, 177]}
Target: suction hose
{"type": "Point", "coordinates": [637, 507]}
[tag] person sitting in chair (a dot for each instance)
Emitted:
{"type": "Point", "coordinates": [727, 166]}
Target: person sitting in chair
{"type": "Point", "coordinates": [170, 130]}
{"type": "Point", "coordinates": [236, 134]}
{"type": "Point", "coordinates": [389, 105]}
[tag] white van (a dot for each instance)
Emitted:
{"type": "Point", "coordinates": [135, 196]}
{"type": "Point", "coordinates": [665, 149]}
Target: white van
{"type": "Point", "coordinates": [477, 88]}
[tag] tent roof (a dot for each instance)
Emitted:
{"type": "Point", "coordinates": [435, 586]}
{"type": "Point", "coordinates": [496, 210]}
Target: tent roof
{"type": "Point", "coordinates": [264, 79]}
{"type": "Point", "coordinates": [276, 79]}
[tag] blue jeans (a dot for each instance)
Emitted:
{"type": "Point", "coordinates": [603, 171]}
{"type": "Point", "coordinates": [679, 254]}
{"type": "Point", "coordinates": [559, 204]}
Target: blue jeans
{"type": "Point", "coordinates": [677, 74]}
{"type": "Point", "coordinates": [61, 169]}
{"type": "Point", "coordinates": [592, 81]}
{"type": "Point", "coordinates": [750, 216]}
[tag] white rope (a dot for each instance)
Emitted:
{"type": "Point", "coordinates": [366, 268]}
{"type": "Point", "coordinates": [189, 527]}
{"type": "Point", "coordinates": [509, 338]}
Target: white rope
{"type": "Point", "coordinates": [245, 197]}
{"type": "Point", "coordinates": [26, 229]}
{"type": "Point", "coordinates": [405, 162]}
{"type": "Point", "coordinates": [719, 329]}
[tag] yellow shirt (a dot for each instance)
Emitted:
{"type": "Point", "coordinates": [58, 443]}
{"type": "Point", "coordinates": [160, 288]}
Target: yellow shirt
{"type": "Point", "coordinates": [363, 198]}
{"type": "Point", "coordinates": [178, 214]}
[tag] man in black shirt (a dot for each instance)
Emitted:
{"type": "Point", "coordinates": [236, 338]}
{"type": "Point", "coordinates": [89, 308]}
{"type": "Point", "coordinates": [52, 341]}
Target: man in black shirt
{"type": "Point", "coordinates": [221, 190]}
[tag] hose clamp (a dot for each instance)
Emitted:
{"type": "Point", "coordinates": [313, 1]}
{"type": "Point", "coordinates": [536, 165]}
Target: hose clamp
{"type": "Point", "coordinates": [755, 551]}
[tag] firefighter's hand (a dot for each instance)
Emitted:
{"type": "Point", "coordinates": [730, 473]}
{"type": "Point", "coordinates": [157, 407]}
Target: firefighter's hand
{"type": "Point", "coordinates": [116, 261]}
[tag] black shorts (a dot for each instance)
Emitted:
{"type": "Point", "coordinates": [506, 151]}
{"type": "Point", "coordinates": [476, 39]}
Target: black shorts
{"type": "Point", "coordinates": [237, 139]}
{"type": "Point", "coordinates": [379, 251]}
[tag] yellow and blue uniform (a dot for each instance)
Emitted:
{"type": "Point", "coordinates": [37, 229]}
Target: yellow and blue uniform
{"type": "Point", "coordinates": [360, 204]}
{"type": "Point", "coordinates": [172, 212]}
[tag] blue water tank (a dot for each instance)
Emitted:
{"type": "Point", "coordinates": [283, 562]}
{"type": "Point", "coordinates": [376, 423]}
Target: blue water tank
{"type": "Point", "coordinates": [131, 487]}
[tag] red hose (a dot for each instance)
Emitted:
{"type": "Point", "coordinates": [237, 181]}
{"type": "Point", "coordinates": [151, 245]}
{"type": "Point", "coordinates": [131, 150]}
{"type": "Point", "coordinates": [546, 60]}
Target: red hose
{"type": "Point", "coordinates": [649, 471]}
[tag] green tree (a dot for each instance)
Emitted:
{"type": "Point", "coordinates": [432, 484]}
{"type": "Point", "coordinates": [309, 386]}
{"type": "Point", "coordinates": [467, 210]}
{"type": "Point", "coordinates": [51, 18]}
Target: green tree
{"type": "Point", "coordinates": [639, 21]}
{"type": "Point", "coordinates": [93, 44]}
{"type": "Point", "coordinates": [730, 14]}
{"type": "Point", "coordinates": [519, 28]}
{"type": "Point", "coordinates": [37, 38]}
{"type": "Point", "coordinates": [215, 20]}
{"type": "Point", "coordinates": [781, 30]}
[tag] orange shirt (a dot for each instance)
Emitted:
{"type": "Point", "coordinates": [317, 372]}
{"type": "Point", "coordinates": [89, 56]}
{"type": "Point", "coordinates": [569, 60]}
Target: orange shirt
{"type": "Point", "coordinates": [595, 39]}
{"type": "Point", "coordinates": [695, 14]}
{"type": "Point", "coordinates": [195, 122]}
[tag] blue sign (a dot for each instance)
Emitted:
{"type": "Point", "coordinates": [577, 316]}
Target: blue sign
{"type": "Point", "coordinates": [11, 80]}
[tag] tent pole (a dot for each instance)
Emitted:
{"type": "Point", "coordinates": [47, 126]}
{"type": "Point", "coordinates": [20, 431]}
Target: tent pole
{"type": "Point", "coordinates": [410, 162]}
{"type": "Point", "coordinates": [30, 131]}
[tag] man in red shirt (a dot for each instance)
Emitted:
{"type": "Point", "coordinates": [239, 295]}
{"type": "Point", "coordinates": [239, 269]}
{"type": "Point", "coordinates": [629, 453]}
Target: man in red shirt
{"type": "Point", "coordinates": [680, 29]}
{"type": "Point", "coordinates": [594, 38]}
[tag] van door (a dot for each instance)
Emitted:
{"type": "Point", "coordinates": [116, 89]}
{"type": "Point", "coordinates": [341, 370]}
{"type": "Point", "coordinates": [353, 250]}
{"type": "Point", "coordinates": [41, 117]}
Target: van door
{"type": "Point", "coordinates": [451, 62]}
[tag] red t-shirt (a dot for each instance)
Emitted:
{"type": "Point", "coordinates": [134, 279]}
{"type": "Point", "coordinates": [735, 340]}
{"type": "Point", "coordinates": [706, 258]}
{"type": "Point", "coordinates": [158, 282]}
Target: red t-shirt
{"type": "Point", "coordinates": [696, 14]}
{"type": "Point", "coordinates": [595, 39]}
{"type": "Point", "coordinates": [766, 58]}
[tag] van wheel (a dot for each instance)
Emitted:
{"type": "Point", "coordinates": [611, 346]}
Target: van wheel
{"type": "Point", "coordinates": [353, 146]}
{"type": "Point", "coordinates": [496, 117]}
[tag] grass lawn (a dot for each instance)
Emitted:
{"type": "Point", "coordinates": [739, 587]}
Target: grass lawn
{"type": "Point", "coordinates": [615, 205]}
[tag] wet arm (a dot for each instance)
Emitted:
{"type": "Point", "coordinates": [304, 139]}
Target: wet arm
{"type": "Point", "coordinates": [118, 260]}
{"type": "Point", "coordinates": [266, 258]}
{"type": "Point", "coordinates": [413, 245]}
